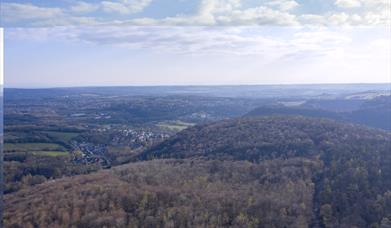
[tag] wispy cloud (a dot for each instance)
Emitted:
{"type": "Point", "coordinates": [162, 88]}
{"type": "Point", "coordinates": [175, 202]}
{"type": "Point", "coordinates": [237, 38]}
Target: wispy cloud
{"type": "Point", "coordinates": [201, 54]}
{"type": "Point", "coordinates": [196, 40]}
{"type": "Point", "coordinates": [206, 12]}
{"type": "Point", "coordinates": [17, 12]}
{"type": "Point", "coordinates": [124, 6]}
{"type": "Point", "coordinates": [81, 7]}
{"type": "Point", "coordinates": [348, 3]}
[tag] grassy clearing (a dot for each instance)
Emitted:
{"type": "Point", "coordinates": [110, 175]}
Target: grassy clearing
{"type": "Point", "coordinates": [50, 153]}
{"type": "Point", "coordinates": [176, 126]}
{"type": "Point", "coordinates": [64, 136]}
{"type": "Point", "coordinates": [25, 147]}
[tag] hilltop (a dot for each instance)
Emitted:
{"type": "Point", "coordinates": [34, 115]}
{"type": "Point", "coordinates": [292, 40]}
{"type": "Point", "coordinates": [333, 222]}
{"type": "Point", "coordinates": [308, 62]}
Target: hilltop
{"type": "Point", "coordinates": [261, 138]}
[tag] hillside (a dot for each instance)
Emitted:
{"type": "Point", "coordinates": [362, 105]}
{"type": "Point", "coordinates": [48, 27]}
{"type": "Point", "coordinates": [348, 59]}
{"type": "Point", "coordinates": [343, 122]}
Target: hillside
{"type": "Point", "coordinates": [261, 138]}
{"type": "Point", "coordinates": [373, 113]}
{"type": "Point", "coordinates": [248, 172]}
{"type": "Point", "coordinates": [172, 193]}
{"type": "Point", "coordinates": [294, 111]}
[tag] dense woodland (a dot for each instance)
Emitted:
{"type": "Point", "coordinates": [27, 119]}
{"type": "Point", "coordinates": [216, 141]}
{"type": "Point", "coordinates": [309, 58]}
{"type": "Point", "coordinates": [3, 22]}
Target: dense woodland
{"type": "Point", "coordinates": [246, 172]}
{"type": "Point", "coordinates": [173, 193]}
{"type": "Point", "coordinates": [23, 170]}
{"type": "Point", "coordinates": [374, 113]}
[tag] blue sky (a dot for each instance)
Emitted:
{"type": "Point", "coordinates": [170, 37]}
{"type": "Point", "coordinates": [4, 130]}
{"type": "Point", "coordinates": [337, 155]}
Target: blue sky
{"type": "Point", "coordinates": [182, 42]}
{"type": "Point", "coordinates": [38, 13]}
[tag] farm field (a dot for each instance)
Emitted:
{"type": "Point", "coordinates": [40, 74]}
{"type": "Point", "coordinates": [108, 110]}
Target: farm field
{"type": "Point", "coordinates": [176, 125]}
{"type": "Point", "coordinates": [63, 136]}
{"type": "Point", "coordinates": [50, 153]}
{"type": "Point", "coordinates": [27, 147]}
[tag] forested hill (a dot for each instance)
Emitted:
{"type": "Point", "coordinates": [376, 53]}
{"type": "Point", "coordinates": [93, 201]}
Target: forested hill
{"type": "Point", "coordinates": [373, 113]}
{"type": "Point", "coordinates": [247, 172]}
{"type": "Point", "coordinates": [353, 185]}
{"type": "Point", "coordinates": [295, 111]}
{"type": "Point", "coordinates": [260, 138]}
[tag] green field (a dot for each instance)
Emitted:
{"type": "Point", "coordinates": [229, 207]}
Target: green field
{"type": "Point", "coordinates": [50, 153]}
{"type": "Point", "coordinates": [26, 147]}
{"type": "Point", "coordinates": [63, 136]}
{"type": "Point", "coordinates": [175, 126]}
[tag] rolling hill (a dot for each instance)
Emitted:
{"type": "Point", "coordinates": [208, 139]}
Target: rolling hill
{"type": "Point", "coordinates": [373, 113]}
{"type": "Point", "coordinates": [261, 138]}
{"type": "Point", "coordinates": [246, 172]}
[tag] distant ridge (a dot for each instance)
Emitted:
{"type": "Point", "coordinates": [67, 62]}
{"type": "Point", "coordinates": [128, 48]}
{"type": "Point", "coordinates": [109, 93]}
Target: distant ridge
{"type": "Point", "coordinates": [373, 113]}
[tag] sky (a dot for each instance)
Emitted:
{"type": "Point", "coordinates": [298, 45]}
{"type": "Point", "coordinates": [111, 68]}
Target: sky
{"type": "Point", "coordinates": [38, 13]}
{"type": "Point", "coordinates": [195, 42]}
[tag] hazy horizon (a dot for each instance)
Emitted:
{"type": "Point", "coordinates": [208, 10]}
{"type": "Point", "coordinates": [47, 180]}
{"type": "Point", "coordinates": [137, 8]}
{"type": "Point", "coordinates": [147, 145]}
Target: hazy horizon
{"type": "Point", "coordinates": [201, 85]}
